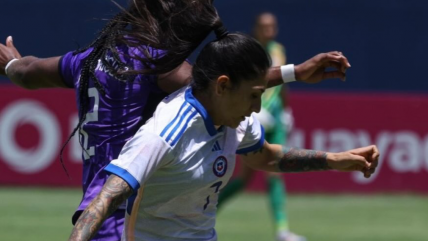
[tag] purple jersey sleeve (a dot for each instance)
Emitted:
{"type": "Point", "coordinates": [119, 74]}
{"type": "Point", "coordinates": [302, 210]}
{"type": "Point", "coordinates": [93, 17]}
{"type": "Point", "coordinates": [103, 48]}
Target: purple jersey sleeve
{"type": "Point", "coordinates": [70, 65]}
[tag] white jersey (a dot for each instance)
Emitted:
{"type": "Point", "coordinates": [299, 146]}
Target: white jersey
{"type": "Point", "coordinates": [177, 163]}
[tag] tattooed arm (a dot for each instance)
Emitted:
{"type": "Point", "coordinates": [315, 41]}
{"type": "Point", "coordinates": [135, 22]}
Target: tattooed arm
{"type": "Point", "coordinates": [113, 194]}
{"type": "Point", "coordinates": [275, 158]}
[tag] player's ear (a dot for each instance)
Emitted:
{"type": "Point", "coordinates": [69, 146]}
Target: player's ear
{"type": "Point", "coordinates": [222, 83]}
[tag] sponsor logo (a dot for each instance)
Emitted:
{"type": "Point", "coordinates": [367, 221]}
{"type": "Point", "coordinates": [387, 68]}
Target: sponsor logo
{"type": "Point", "coordinates": [216, 147]}
{"type": "Point", "coordinates": [31, 160]}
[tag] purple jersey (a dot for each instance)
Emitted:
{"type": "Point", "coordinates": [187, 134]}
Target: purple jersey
{"type": "Point", "coordinates": [112, 119]}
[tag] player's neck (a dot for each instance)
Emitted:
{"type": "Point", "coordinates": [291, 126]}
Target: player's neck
{"type": "Point", "coordinates": [209, 106]}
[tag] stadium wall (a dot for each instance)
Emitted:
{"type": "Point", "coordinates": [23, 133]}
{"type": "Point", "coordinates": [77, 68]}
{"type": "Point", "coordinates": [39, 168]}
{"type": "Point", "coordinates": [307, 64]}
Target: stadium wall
{"type": "Point", "coordinates": [35, 124]}
{"type": "Point", "coordinates": [383, 101]}
{"type": "Point", "coordinates": [385, 40]}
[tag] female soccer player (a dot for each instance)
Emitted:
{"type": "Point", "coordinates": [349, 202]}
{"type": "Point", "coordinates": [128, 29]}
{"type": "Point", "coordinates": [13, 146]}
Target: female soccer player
{"type": "Point", "coordinates": [119, 80]}
{"type": "Point", "coordinates": [172, 170]}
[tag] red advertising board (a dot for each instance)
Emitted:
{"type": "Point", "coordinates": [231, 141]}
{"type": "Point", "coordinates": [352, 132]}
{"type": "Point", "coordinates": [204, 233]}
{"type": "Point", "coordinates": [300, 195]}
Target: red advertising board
{"type": "Point", "coordinates": [396, 123]}
{"type": "Point", "coordinates": [33, 127]}
{"type": "Point", "coordinates": [35, 124]}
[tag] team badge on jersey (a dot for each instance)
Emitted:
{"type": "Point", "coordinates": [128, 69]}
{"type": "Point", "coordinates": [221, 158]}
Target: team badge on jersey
{"type": "Point", "coordinates": [220, 166]}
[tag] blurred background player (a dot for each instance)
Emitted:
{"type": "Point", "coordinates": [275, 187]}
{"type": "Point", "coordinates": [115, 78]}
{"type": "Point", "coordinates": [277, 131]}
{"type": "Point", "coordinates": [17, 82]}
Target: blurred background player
{"type": "Point", "coordinates": [276, 117]}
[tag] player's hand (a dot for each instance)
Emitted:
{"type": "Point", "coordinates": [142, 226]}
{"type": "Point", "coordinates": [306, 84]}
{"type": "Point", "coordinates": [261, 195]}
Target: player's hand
{"type": "Point", "coordinates": [7, 53]}
{"type": "Point", "coordinates": [314, 70]}
{"type": "Point", "coordinates": [364, 159]}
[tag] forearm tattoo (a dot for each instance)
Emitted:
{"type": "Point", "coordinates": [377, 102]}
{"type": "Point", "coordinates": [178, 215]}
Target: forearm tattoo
{"type": "Point", "coordinates": [113, 194]}
{"type": "Point", "coordinates": [301, 160]}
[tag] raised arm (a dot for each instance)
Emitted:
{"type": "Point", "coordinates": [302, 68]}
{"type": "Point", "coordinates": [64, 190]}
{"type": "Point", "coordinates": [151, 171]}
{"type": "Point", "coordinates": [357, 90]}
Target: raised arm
{"type": "Point", "coordinates": [276, 158]}
{"type": "Point", "coordinates": [313, 70]}
{"type": "Point", "coordinates": [29, 72]}
{"type": "Point", "coordinates": [112, 195]}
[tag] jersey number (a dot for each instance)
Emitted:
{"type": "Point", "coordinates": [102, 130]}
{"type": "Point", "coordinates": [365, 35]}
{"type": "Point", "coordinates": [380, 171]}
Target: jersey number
{"type": "Point", "coordinates": [90, 116]}
{"type": "Point", "coordinates": [217, 186]}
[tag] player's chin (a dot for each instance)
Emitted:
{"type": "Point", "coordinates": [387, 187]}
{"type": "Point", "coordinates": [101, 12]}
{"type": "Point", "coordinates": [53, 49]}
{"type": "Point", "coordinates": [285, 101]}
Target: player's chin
{"type": "Point", "coordinates": [233, 124]}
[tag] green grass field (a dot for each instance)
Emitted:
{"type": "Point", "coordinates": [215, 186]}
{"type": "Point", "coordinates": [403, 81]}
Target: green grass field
{"type": "Point", "coordinates": [44, 214]}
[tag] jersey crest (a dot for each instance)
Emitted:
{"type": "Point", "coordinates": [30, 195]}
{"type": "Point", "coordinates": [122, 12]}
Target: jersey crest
{"type": "Point", "coordinates": [220, 166]}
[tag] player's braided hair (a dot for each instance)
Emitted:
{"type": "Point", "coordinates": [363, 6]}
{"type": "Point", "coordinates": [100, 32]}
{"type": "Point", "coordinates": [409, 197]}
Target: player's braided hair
{"type": "Point", "coordinates": [175, 26]}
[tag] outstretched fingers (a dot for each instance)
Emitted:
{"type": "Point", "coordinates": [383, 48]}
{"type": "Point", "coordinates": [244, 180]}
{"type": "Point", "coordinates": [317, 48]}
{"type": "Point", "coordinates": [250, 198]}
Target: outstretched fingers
{"type": "Point", "coordinates": [9, 43]}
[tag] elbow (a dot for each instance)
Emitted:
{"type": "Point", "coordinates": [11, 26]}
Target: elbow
{"type": "Point", "coordinates": [25, 84]}
{"type": "Point", "coordinates": [29, 87]}
{"type": "Point", "coordinates": [23, 81]}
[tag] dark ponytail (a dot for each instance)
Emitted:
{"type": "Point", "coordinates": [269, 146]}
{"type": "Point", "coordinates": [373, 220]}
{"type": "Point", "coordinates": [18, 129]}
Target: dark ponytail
{"type": "Point", "coordinates": [221, 32]}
